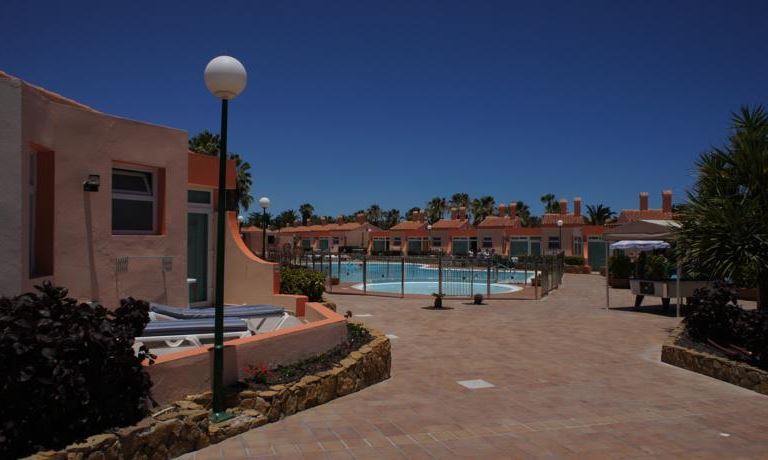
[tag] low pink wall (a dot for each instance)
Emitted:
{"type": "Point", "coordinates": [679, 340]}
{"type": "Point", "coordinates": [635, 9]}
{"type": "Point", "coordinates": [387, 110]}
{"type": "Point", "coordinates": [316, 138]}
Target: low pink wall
{"type": "Point", "coordinates": [178, 374]}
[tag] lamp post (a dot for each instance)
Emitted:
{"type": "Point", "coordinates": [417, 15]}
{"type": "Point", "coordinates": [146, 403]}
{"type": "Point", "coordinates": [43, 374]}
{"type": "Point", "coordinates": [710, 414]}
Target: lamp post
{"type": "Point", "coordinates": [264, 203]}
{"type": "Point", "coordinates": [560, 226]}
{"type": "Point", "coordinates": [240, 221]}
{"type": "Point", "coordinates": [225, 77]}
{"type": "Point", "coordinates": [429, 238]}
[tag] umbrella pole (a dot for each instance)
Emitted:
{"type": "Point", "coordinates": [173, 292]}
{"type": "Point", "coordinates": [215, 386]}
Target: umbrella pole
{"type": "Point", "coordinates": [607, 274]}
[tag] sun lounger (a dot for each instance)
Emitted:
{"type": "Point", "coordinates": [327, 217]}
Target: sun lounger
{"type": "Point", "coordinates": [174, 332]}
{"type": "Point", "coordinates": [239, 311]}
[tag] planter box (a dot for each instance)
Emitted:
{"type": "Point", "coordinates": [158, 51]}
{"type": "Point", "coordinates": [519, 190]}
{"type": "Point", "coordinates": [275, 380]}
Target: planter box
{"type": "Point", "coordinates": [619, 283]}
{"type": "Point", "coordinates": [666, 289]}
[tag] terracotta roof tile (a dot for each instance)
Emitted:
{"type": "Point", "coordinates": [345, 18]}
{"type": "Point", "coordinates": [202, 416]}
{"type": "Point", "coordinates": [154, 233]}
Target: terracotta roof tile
{"type": "Point", "coordinates": [450, 223]}
{"type": "Point", "coordinates": [568, 219]}
{"type": "Point", "coordinates": [634, 215]}
{"type": "Point", "coordinates": [410, 225]}
{"type": "Point", "coordinates": [499, 222]}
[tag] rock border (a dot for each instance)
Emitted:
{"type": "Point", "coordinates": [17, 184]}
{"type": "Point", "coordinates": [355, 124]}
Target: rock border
{"type": "Point", "coordinates": [734, 372]}
{"type": "Point", "coordinates": [183, 426]}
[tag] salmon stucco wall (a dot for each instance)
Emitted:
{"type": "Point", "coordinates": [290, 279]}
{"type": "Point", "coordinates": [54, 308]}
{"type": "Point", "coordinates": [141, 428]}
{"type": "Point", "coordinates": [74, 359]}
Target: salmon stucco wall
{"type": "Point", "coordinates": [85, 142]}
{"type": "Point", "coordinates": [10, 188]}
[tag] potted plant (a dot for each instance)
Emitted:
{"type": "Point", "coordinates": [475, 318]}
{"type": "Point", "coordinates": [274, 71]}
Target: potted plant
{"type": "Point", "coordinates": [438, 300]}
{"type": "Point", "coordinates": [620, 266]}
{"type": "Point", "coordinates": [478, 299]}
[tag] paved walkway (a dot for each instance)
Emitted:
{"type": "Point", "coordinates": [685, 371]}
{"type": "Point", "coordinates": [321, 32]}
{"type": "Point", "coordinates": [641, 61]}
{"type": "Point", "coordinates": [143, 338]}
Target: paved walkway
{"type": "Point", "coordinates": [571, 380]}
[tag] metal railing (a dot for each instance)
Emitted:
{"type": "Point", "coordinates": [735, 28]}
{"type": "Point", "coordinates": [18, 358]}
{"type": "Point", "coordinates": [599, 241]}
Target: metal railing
{"type": "Point", "coordinates": [451, 276]}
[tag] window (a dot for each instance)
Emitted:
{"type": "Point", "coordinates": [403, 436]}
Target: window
{"type": "Point", "coordinates": [198, 197]}
{"type": "Point", "coordinates": [306, 243]}
{"type": "Point", "coordinates": [396, 241]}
{"type": "Point", "coordinates": [335, 240]}
{"type": "Point", "coordinates": [436, 242]}
{"type": "Point", "coordinates": [487, 242]}
{"type": "Point", "coordinates": [554, 243]}
{"type": "Point", "coordinates": [578, 246]}
{"type": "Point", "coordinates": [134, 202]}
{"type": "Point", "coordinates": [324, 244]}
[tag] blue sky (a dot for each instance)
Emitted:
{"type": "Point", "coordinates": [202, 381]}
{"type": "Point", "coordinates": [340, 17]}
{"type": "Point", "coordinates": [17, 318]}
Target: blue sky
{"type": "Point", "coordinates": [393, 102]}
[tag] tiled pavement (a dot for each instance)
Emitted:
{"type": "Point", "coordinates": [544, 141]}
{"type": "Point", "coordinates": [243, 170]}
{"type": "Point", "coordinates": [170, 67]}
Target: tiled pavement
{"type": "Point", "coordinates": [571, 380]}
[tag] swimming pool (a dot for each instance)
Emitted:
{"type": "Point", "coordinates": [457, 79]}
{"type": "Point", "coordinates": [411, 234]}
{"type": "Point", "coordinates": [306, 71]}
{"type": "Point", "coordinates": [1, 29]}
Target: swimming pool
{"type": "Point", "coordinates": [422, 278]}
{"type": "Point", "coordinates": [431, 287]}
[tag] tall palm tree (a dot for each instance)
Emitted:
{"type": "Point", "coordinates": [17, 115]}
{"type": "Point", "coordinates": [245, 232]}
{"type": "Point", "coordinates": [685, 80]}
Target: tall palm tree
{"type": "Point", "coordinates": [724, 228]}
{"type": "Point", "coordinates": [409, 213]}
{"type": "Point", "coordinates": [458, 200]}
{"type": "Point", "coordinates": [390, 219]}
{"type": "Point", "coordinates": [208, 143]}
{"type": "Point", "coordinates": [306, 211]}
{"type": "Point", "coordinates": [205, 142]}
{"type": "Point", "coordinates": [284, 219]}
{"type": "Point", "coordinates": [435, 209]}
{"type": "Point", "coordinates": [373, 214]}
{"type": "Point", "coordinates": [243, 181]}
{"type": "Point", "coordinates": [481, 208]}
{"type": "Point", "coordinates": [551, 205]}
{"type": "Point", "coordinates": [598, 214]}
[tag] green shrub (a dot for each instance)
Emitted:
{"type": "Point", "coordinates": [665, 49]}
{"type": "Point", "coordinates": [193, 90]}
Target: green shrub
{"type": "Point", "coordinates": [657, 268]}
{"type": "Point", "coordinates": [302, 281]}
{"type": "Point", "coordinates": [621, 266]}
{"type": "Point", "coordinates": [574, 260]}
{"type": "Point", "coordinates": [69, 369]}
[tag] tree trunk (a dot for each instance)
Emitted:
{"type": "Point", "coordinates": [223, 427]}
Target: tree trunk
{"type": "Point", "coordinates": [762, 288]}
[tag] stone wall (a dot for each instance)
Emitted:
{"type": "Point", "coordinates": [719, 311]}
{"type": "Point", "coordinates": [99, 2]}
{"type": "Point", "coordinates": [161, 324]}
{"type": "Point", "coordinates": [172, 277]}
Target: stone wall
{"type": "Point", "coordinates": [677, 354]}
{"type": "Point", "coordinates": [183, 426]}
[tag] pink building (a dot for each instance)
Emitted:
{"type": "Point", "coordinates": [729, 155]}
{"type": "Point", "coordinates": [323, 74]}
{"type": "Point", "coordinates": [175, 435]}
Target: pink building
{"type": "Point", "coordinates": [327, 236]}
{"type": "Point", "coordinates": [644, 213]}
{"type": "Point", "coordinates": [110, 207]}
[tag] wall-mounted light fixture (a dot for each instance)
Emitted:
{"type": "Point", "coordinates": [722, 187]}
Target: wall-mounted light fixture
{"type": "Point", "coordinates": [92, 183]}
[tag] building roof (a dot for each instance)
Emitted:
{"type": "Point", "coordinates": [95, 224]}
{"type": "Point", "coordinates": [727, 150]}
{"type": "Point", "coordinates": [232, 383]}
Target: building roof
{"type": "Point", "coordinates": [333, 227]}
{"type": "Point", "coordinates": [47, 94]}
{"type": "Point", "coordinates": [635, 215]}
{"type": "Point", "coordinates": [499, 222]}
{"type": "Point", "coordinates": [568, 219]}
{"type": "Point", "coordinates": [450, 223]}
{"type": "Point", "coordinates": [410, 225]}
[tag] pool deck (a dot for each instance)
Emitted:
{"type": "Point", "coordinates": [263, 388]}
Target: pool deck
{"type": "Point", "coordinates": [570, 380]}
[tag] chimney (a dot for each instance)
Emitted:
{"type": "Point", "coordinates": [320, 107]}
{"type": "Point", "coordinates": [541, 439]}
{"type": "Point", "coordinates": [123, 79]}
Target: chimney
{"type": "Point", "coordinates": [360, 217]}
{"type": "Point", "coordinates": [323, 220]}
{"type": "Point", "coordinates": [513, 209]}
{"type": "Point", "coordinates": [563, 206]}
{"type": "Point", "coordinates": [340, 219]}
{"type": "Point", "coordinates": [577, 206]}
{"type": "Point", "coordinates": [643, 201]}
{"type": "Point", "coordinates": [454, 213]}
{"type": "Point", "coordinates": [462, 212]}
{"type": "Point", "coordinates": [502, 210]}
{"type": "Point", "coordinates": [666, 201]}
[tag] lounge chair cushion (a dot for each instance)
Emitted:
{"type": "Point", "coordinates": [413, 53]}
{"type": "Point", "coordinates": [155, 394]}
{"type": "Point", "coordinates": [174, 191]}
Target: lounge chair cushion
{"type": "Point", "coordinates": [240, 311]}
{"type": "Point", "coordinates": [191, 327]}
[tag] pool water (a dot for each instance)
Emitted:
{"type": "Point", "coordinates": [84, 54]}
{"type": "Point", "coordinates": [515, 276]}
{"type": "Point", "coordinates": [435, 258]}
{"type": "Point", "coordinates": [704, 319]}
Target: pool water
{"type": "Point", "coordinates": [431, 287]}
{"type": "Point", "coordinates": [383, 276]}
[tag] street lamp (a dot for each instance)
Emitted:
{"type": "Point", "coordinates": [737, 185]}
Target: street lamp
{"type": "Point", "coordinates": [225, 78]}
{"type": "Point", "coordinates": [264, 203]}
{"type": "Point", "coordinates": [429, 238]}
{"type": "Point", "coordinates": [560, 226]}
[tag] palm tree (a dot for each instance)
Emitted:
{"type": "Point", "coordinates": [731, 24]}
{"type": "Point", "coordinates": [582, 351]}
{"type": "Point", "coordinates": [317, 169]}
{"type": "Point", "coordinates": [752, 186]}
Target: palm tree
{"type": "Point", "coordinates": [390, 219]}
{"type": "Point", "coordinates": [551, 205]}
{"type": "Point", "coordinates": [481, 208]}
{"type": "Point", "coordinates": [435, 209]}
{"type": "Point", "coordinates": [208, 143]}
{"type": "Point", "coordinates": [373, 214]}
{"type": "Point", "coordinates": [243, 181]}
{"type": "Point", "coordinates": [458, 200]}
{"type": "Point", "coordinates": [599, 215]}
{"type": "Point", "coordinates": [257, 219]}
{"type": "Point", "coordinates": [306, 211]}
{"type": "Point", "coordinates": [205, 142]}
{"type": "Point", "coordinates": [724, 228]}
{"type": "Point", "coordinates": [284, 219]}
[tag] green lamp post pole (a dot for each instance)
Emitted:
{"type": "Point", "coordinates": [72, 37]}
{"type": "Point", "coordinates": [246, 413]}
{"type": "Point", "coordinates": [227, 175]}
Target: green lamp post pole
{"type": "Point", "coordinates": [225, 77]}
{"type": "Point", "coordinates": [264, 203]}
